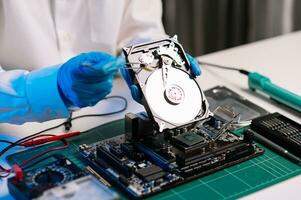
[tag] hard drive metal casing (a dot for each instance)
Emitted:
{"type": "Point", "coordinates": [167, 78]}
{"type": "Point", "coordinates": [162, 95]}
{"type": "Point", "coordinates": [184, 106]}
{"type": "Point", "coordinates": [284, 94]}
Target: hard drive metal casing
{"type": "Point", "coordinates": [221, 96]}
{"type": "Point", "coordinates": [146, 61]}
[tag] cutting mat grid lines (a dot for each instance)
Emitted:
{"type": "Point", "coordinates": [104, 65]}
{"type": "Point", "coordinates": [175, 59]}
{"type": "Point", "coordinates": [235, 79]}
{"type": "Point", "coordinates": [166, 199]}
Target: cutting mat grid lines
{"type": "Point", "coordinates": [230, 183]}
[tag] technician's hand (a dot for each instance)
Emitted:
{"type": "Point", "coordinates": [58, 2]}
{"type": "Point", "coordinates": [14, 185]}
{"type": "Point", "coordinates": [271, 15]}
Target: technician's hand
{"type": "Point", "coordinates": [87, 78]}
{"type": "Point", "coordinates": [135, 91]}
{"type": "Point", "coordinates": [195, 67]}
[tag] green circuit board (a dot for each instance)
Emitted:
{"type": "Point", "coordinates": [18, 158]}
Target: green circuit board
{"type": "Point", "coordinates": [230, 183]}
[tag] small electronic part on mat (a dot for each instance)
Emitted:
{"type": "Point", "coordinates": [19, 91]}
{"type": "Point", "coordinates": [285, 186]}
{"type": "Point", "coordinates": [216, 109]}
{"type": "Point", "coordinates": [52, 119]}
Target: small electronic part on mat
{"type": "Point", "coordinates": [180, 137]}
{"type": "Point", "coordinates": [38, 183]}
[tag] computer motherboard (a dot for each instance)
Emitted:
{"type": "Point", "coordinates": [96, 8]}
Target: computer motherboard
{"type": "Point", "coordinates": [145, 167]}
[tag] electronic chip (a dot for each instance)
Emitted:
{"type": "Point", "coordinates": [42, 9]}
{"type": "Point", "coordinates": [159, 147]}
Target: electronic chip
{"type": "Point", "coordinates": [150, 173]}
{"type": "Point", "coordinates": [189, 139]}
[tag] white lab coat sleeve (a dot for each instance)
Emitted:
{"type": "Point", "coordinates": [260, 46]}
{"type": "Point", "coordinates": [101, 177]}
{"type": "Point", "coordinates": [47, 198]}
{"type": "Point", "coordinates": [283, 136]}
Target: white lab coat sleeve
{"type": "Point", "coordinates": [142, 22]}
{"type": "Point", "coordinates": [30, 96]}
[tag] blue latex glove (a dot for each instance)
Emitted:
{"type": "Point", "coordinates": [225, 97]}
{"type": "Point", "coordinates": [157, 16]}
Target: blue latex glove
{"type": "Point", "coordinates": [87, 78]}
{"type": "Point", "coordinates": [135, 91]}
{"type": "Point", "coordinates": [195, 67]}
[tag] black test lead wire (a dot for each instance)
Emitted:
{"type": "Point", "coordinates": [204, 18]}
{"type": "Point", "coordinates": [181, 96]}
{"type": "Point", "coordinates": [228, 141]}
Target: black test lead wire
{"type": "Point", "coordinates": [242, 71]}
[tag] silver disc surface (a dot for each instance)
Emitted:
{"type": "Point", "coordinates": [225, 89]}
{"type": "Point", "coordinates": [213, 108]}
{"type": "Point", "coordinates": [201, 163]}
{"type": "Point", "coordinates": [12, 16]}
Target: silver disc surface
{"type": "Point", "coordinates": [179, 101]}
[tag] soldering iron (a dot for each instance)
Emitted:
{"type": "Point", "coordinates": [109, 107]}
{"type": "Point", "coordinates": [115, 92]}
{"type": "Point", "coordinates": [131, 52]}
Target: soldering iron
{"type": "Point", "coordinates": [262, 83]}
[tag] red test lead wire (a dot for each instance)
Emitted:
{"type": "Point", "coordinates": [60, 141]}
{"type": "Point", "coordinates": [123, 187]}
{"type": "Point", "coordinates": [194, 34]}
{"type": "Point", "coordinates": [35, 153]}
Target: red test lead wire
{"type": "Point", "coordinates": [32, 142]}
{"type": "Point", "coordinates": [49, 139]}
{"type": "Point", "coordinates": [66, 145]}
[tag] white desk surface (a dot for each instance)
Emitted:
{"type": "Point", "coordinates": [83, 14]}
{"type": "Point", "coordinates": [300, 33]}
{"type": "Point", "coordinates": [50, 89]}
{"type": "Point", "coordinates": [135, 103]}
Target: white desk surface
{"type": "Point", "coordinates": [278, 58]}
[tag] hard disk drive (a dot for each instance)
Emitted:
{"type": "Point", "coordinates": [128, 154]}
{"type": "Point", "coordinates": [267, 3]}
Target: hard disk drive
{"type": "Point", "coordinates": [178, 139]}
{"type": "Point", "coordinates": [171, 95]}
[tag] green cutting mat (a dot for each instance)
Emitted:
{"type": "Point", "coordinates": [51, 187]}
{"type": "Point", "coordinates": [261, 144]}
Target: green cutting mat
{"type": "Point", "coordinates": [230, 183]}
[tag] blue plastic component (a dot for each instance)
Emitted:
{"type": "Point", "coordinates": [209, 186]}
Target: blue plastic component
{"type": "Point", "coordinates": [152, 156]}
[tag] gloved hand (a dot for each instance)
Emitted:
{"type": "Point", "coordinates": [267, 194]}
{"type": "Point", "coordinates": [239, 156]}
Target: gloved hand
{"type": "Point", "coordinates": [135, 91]}
{"type": "Point", "coordinates": [87, 78]}
{"type": "Point", "coordinates": [195, 67]}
